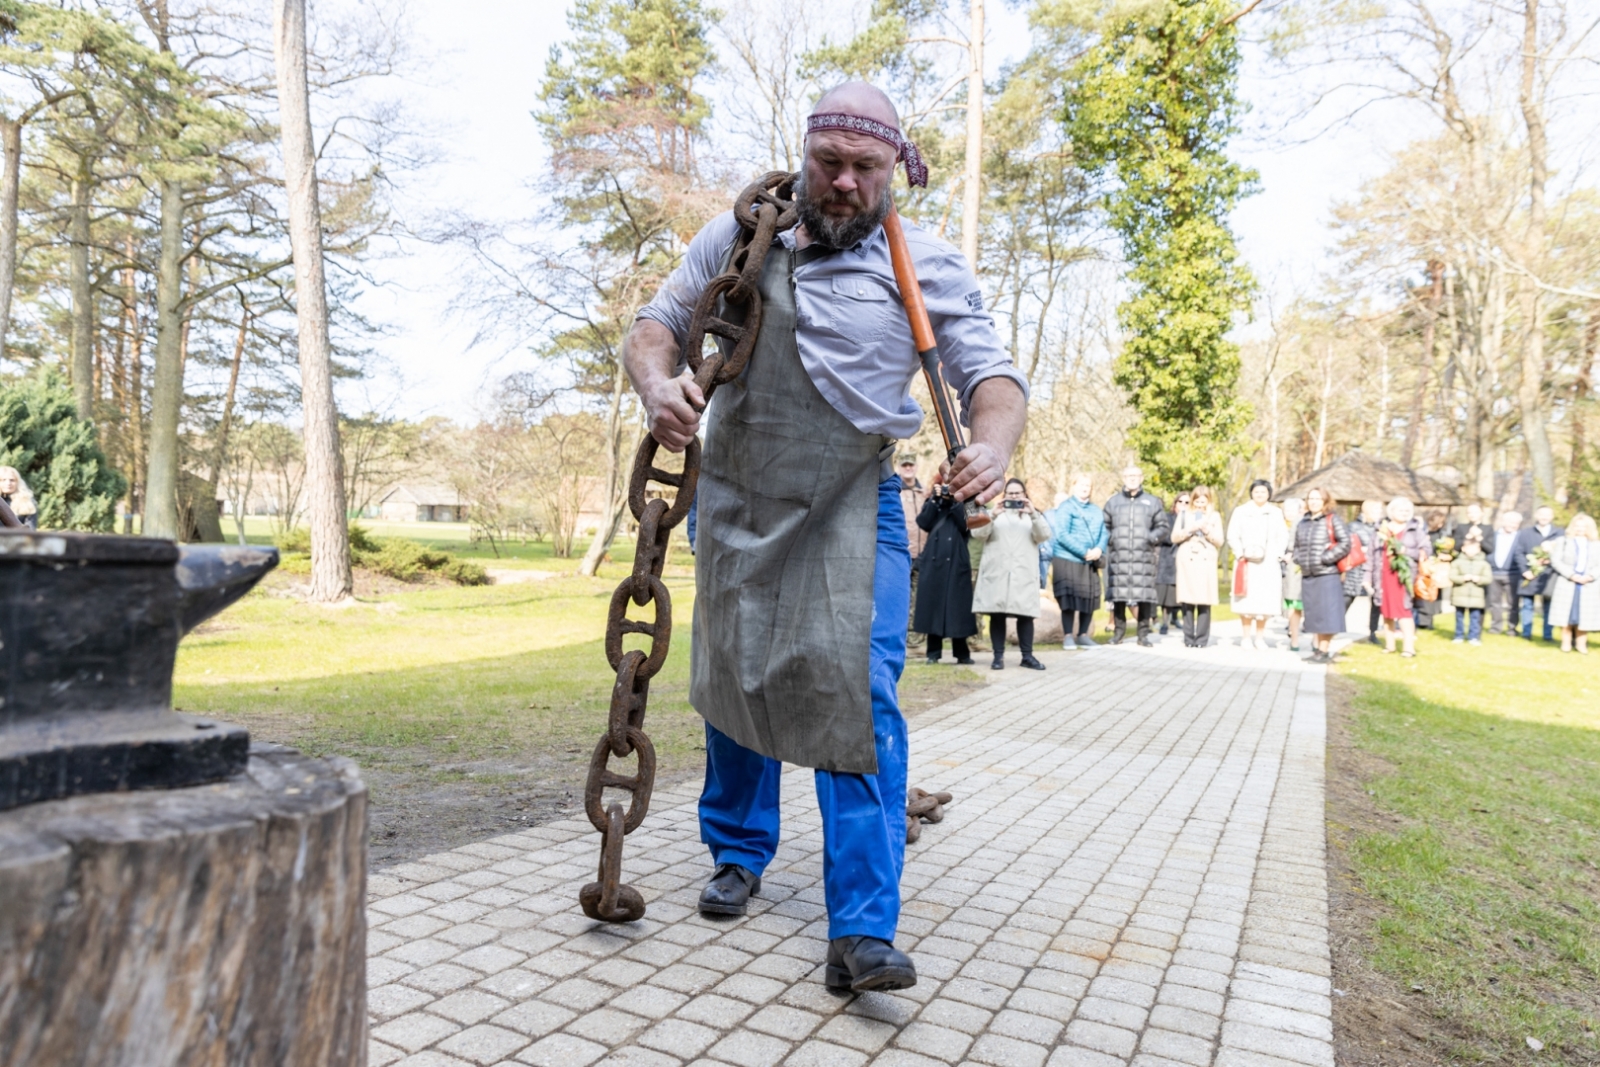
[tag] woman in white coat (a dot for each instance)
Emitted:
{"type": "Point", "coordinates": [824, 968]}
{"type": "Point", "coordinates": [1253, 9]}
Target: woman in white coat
{"type": "Point", "coordinates": [1259, 538]}
{"type": "Point", "coordinates": [1575, 601]}
{"type": "Point", "coordinates": [1198, 535]}
{"type": "Point", "coordinates": [1008, 573]}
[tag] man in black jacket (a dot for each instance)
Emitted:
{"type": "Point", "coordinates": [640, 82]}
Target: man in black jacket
{"type": "Point", "coordinates": [1137, 524]}
{"type": "Point", "coordinates": [1529, 584]}
{"type": "Point", "coordinates": [1500, 547]}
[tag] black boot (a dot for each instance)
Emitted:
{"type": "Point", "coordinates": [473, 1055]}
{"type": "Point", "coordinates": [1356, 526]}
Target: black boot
{"type": "Point", "coordinates": [999, 663]}
{"type": "Point", "coordinates": [863, 963]}
{"type": "Point", "coordinates": [729, 891]}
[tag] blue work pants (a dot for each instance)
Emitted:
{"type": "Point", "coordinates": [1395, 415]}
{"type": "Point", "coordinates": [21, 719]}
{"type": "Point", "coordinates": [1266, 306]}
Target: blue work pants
{"type": "Point", "coordinates": [863, 815]}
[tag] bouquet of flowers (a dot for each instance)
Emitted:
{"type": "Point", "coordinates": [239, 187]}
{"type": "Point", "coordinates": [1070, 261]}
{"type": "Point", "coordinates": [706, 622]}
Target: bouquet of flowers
{"type": "Point", "coordinates": [1539, 560]}
{"type": "Point", "coordinates": [1399, 562]}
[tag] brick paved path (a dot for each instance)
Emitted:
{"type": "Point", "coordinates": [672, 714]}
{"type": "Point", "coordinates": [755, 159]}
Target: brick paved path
{"type": "Point", "coordinates": [1132, 872]}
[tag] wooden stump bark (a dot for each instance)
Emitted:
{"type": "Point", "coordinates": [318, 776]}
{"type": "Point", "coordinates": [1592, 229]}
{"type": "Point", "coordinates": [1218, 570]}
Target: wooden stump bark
{"type": "Point", "coordinates": [222, 924]}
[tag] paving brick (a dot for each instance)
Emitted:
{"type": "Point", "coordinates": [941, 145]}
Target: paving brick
{"type": "Point", "coordinates": [1007, 1052]}
{"type": "Point", "coordinates": [414, 1031]}
{"type": "Point", "coordinates": [561, 1050]}
{"type": "Point", "coordinates": [938, 1042]}
{"type": "Point", "coordinates": [484, 1044]}
{"type": "Point", "coordinates": [535, 1018]}
{"type": "Point", "coordinates": [824, 1054]}
{"type": "Point", "coordinates": [607, 1026]}
{"type": "Point", "coordinates": [749, 1049]}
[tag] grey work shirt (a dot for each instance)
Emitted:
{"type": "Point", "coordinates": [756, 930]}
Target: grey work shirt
{"type": "Point", "coordinates": [851, 328]}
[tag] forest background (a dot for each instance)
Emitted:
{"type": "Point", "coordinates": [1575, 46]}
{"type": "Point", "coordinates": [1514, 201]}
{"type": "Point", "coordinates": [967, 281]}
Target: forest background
{"type": "Point", "coordinates": [1448, 319]}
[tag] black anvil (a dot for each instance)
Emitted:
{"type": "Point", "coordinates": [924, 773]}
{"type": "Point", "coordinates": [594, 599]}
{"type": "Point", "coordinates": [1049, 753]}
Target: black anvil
{"type": "Point", "coordinates": [89, 630]}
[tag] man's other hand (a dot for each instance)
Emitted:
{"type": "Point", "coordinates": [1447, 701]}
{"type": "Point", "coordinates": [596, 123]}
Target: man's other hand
{"type": "Point", "coordinates": [672, 407]}
{"type": "Point", "coordinates": [978, 474]}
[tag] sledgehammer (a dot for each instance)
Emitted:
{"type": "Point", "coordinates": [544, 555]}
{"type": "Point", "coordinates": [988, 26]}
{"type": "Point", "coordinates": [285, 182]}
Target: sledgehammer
{"type": "Point", "coordinates": [905, 275]}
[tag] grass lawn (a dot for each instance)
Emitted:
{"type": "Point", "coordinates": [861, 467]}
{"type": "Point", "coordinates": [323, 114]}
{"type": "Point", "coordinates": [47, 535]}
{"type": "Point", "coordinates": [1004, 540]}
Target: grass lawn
{"type": "Point", "coordinates": [456, 538]}
{"type": "Point", "coordinates": [469, 710]}
{"type": "Point", "coordinates": [1473, 842]}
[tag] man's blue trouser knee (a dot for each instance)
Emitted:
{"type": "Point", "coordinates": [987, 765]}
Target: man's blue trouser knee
{"type": "Point", "coordinates": [863, 815]}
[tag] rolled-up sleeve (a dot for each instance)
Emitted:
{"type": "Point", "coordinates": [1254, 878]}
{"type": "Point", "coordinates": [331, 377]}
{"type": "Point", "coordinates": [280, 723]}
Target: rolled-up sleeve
{"type": "Point", "coordinates": [673, 305]}
{"type": "Point", "coordinates": [970, 348]}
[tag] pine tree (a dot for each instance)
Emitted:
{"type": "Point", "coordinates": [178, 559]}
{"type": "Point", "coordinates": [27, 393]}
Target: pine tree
{"type": "Point", "coordinates": [57, 453]}
{"type": "Point", "coordinates": [1152, 105]}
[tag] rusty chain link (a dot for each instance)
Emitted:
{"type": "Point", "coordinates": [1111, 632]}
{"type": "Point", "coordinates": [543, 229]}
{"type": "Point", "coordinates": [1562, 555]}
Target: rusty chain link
{"type": "Point", "coordinates": [764, 209]}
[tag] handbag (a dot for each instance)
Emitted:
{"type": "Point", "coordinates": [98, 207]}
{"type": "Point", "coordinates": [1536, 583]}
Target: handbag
{"type": "Point", "coordinates": [1427, 586]}
{"type": "Point", "coordinates": [1356, 557]}
{"type": "Point", "coordinates": [1240, 576]}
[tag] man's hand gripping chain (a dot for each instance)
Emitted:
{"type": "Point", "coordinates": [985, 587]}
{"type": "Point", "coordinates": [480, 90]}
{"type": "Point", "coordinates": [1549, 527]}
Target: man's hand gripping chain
{"type": "Point", "coordinates": [765, 208]}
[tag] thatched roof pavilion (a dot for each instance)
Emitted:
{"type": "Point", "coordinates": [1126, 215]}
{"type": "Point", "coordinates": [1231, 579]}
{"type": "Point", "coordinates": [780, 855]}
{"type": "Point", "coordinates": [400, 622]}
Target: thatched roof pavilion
{"type": "Point", "coordinates": [1356, 476]}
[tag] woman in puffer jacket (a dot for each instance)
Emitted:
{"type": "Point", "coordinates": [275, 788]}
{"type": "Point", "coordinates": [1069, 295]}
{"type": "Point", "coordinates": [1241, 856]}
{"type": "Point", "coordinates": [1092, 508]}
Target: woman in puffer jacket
{"type": "Point", "coordinates": [1321, 540]}
{"type": "Point", "coordinates": [1077, 547]}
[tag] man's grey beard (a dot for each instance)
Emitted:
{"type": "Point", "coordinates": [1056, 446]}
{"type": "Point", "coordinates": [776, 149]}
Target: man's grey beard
{"type": "Point", "coordinates": [839, 233]}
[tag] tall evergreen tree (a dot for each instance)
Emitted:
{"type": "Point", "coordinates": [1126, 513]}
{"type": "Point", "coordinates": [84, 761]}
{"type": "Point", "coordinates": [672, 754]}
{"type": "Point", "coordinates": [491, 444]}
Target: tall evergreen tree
{"type": "Point", "coordinates": [624, 115]}
{"type": "Point", "coordinates": [1152, 105]}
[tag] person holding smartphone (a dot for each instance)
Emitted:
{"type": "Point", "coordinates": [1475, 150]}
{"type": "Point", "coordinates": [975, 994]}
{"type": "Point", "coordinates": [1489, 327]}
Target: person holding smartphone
{"type": "Point", "coordinates": [1008, 573]}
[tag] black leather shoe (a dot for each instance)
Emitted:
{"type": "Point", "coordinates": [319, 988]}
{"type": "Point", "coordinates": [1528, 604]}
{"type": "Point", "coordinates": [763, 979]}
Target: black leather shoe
{"type": "Point", "coordinates": [862, 963]}
{"type": "Point", "coordinates": [1032, 664]}
{"type": "Point", "coordinates": [729, 891]}
{"type": "Point", "coordinates": [1145, 642]}
{"type": "Point", "coordinates": [965, 662]}
{"type": "Point", "coordinates": [999, 664]}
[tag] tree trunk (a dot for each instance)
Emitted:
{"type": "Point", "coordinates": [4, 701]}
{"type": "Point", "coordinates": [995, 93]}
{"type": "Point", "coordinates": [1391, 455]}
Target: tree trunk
{"type": "Point", "coordinates": [1581, 389]}
{"type": "Point", "coordinates": [330, 534]}
{"type": "Point", "coordinates": [136, 435]}
{"type": "Point", "coordinates": [616, 480]}
{"type": "Point", "coordinates": [82, 359]}
{"type": "Point", "coordinates": [1425, 365]}
{"type": "Point", "coordinates": [972, 188]}
{"type": "Point", "coordinates": [10, 179]}
{"type": "Point", "coordinates": [220, 454]}
{"type": "Point", "coordinates": [220, 924]}
{"type": "Point", "coordinates": [166, 392]}
{"type": "Point", "coordinates": [1531, 383]}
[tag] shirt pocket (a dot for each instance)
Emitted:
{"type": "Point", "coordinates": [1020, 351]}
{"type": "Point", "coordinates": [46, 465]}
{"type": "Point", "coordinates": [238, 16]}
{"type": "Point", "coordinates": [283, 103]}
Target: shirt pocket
{"type": "Point", "coordinates": [860, 308]}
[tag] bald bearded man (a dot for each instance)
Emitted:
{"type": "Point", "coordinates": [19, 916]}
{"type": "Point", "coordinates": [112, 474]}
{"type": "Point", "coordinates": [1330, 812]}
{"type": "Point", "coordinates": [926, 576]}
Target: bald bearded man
{"type": "Point", "coordinates": [801, 568]}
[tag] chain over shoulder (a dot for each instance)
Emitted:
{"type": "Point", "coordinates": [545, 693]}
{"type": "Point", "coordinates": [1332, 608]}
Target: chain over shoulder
{"type": "Point", "coordinates": [764, 209]}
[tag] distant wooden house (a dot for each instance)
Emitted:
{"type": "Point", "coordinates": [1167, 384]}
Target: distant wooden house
{"type": "Point", "coordinates": [1356, 476]}
{"type": "Point", "coordinates": [422, 503]}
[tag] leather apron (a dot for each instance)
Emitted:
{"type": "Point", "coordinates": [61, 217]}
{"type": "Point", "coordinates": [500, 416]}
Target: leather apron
{"type": "Point", "coordinates": [785, 549]}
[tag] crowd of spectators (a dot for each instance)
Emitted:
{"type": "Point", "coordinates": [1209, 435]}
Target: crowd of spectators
{"type": "Point", "coordinates": [1160, 568]}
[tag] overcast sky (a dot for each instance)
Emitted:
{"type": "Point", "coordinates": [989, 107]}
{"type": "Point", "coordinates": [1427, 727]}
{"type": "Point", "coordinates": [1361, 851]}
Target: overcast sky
{"type": "Point", "coordinates": [475, 92]}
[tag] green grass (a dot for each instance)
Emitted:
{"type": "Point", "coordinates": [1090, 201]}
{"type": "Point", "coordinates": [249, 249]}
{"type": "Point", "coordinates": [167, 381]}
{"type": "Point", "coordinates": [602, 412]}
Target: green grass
{"type": "Point", "coordinates": [1489, 878]}
{"type": "Point", "coordinates": [456, 539]}
{"type": "Point", "coordinates": [445, 676]}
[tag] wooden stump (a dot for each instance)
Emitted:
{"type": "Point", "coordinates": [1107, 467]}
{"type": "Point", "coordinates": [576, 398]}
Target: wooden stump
{"type": "Point", "coordinates": [221, 925]}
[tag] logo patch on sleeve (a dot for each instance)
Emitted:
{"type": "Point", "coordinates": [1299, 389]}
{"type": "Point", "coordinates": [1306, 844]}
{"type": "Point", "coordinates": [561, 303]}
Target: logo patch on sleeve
{"type": "Point", "coordinates": [975, 300]}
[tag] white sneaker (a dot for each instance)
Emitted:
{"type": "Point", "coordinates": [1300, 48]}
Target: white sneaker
{"type": "Point", "coordinates": [1262, 645]}
{"type": "Point", "coordinates": [1069, 645]}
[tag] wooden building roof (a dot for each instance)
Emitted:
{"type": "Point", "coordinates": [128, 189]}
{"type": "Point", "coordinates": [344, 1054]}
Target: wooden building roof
{"type": "Point", "coordinates": [1356, 476]}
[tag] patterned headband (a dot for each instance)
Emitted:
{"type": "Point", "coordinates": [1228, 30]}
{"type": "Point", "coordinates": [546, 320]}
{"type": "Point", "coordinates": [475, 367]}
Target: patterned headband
{"type": "Point", "coordinates": [916, 169]}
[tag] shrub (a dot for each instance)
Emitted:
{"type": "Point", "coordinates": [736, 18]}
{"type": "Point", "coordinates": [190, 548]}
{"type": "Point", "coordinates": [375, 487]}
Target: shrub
{"type": "Point", "coordinates": [465, 572]}
{"type": "Point", "coordinates": [396, 557]}
{"type": "Point", "coordinates": [58, 454]}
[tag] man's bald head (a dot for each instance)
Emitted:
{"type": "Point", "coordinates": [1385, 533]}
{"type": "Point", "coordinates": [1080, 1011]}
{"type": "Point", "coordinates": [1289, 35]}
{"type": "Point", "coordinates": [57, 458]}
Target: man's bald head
{"type": "Point", "coordinates": [858, 98]}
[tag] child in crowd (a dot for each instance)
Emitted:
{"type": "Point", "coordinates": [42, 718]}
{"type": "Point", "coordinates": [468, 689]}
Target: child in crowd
{"type": "Point", "coordinates": [1470, 575]}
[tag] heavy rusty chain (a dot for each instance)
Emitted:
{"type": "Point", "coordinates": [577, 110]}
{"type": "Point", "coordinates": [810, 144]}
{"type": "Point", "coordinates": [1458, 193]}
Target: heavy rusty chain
{"type": "Point", "coordinates": [764, 209]}
{"type": "Point", "coordinates": [921, 806]}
